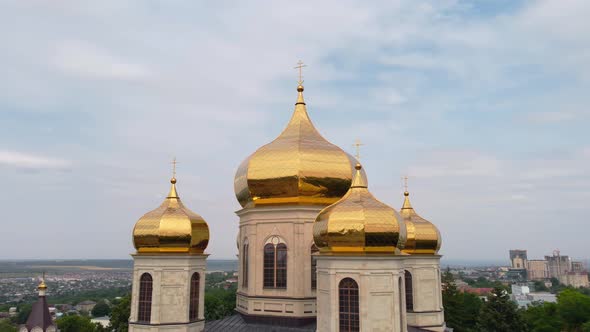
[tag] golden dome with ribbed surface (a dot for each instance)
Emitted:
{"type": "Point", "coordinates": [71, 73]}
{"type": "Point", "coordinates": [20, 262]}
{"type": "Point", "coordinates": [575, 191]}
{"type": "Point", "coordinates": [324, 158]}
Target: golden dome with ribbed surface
{"type": "Point", "coordinates": [359, 224]}
{"type": "Point", "coordinates": [298, 167]}
{"type": "Point", "coordinates": [423, 237]}
{"type": "Point", "coordinates": [171, 228]}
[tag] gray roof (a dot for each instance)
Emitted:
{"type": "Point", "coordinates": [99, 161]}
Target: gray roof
{"type": "Point", "coordinates": [236, 323]}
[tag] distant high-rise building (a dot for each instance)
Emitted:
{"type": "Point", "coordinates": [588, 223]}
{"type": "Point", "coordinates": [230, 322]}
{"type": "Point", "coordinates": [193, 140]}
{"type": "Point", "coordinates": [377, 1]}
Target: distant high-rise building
{"type": "Point", "coordinates": [558, 264]}
{"type": "Point", "coordinates": [518, 259]}
{"type": "Point", "coordinates": [578, 267]}
{"type": "Point", "coordinates": [574, 279]}
{"type": "Point", "coordinates": [537, 269]}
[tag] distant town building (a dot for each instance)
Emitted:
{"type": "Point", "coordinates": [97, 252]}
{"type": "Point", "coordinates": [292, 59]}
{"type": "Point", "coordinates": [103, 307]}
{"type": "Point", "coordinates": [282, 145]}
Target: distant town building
{"type": "Point", "coordinates": [523, 297]}
{"type": "Point", "coordinates": [520, 290]}
{"type": "Point", "coordinates": [537, 269]}
{"type": "Point", "coordinates": [85, 306]}
{"type": "Point", "coordinates": [39, 319]}
{"type": "Point", "coordinates": [104, 321]}
{"type": "Point", "coordinates": [558, 264]}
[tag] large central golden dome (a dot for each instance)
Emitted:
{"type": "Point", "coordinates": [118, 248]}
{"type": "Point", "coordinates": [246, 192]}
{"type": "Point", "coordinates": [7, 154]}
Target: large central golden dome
{"type": "Point", "coordinates": [298, 167]}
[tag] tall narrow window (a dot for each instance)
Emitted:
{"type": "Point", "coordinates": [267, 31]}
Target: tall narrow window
{"type": "Point", "coordinates": [269, 266]}
{"type": "Point", "coordinates": [401, 310]}
{"type": "Point", "coordinates": [144, 312]}
{"type": "Point", "coordinates": [409, 291]}
{"type": "Point", "coordinates": [314, 276]}
{"type": "Point", "coordinates": [348, 300]}
{"type": "Point", "coordinates": [245, 264]}
{"type": "Point", "coordinates": [281, 280]}
{"type": "Point", "coordinates": [193, 313]}
{"type": "Point", "coordinates": [275, 265]}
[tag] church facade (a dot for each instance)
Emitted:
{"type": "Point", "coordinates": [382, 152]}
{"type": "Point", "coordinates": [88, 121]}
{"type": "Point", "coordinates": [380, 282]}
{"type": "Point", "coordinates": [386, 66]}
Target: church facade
{"type": "Point", "coordinates": [316, 249]}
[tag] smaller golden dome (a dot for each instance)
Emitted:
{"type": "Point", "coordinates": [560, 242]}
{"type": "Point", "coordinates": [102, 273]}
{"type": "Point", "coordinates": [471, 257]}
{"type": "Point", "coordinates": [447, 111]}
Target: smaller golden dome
{"type": "Point", "coordinates": [42, 285]}
{"type": "Point", "coordinates": [423, 237]}
{"type": "Point", "coordinates": [171, 228]}
{"type": "Point", "coordinates": [359, 223]}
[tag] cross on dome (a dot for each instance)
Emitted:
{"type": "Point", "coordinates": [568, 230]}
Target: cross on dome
{"type": "Point", "coordinates": [299, 66]}
{"type": "Point", "coordinates": [357, 144]}
{"type": "Point", "coordinates": [174, 162]}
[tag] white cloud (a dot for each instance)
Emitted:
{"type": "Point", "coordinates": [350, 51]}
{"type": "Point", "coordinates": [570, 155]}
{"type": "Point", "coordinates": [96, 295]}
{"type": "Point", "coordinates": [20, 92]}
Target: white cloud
{"type": "Point", "coordinates": [455, 163]}
{"type": "Point", "coordinates": [88, 60]}
{"type": "Point", "coordinates": [30, 161]}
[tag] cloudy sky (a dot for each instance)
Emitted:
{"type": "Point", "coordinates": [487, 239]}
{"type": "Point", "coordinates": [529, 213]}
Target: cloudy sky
{"type": "Point", "coordinates": [484, 104]}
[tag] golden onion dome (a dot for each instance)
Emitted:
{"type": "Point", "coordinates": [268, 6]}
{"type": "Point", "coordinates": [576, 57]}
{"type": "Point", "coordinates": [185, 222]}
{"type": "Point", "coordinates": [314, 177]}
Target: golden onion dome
{"type": "Point", "coordinates": [298, 167]}
{"type": "Point", "coordinates": [171, 228]}
{"type": "Point", "coordinates": [359, 223]}
{"type": "Point", "coordinates": [423, 236]}
{"type": "Point", "coordinates": [42, 285]}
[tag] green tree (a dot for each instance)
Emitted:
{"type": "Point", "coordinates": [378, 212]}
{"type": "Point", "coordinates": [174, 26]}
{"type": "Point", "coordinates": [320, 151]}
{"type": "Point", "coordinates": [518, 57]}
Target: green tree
{"type": "Point", "coordinates": [470, 307]}
{"type": "Point", "coordinates": [586, 327]}
{"type": "Point", "coordinates": [7, 326]}
{"type": "Point", "coordinates": [119, 321]}
{"type": "Point", "coordinates": [543, 317]}
{"type": "Point", "coordinates": [219, 303]}
{"type": "Point", "coordinates": [75, 324]}
{"type": "Point", "coordinates": [461, 309]}
{"type": "Point", "coordinates": [101, 309]}
{"type": "Point", "coordinates": [500, 314]}
{"type": "Point", "coordinates": [24, 310]}
{"type": "Point", "coordinates": [540, 286]}
{"type": "Point", "coordinates": [574, 308]}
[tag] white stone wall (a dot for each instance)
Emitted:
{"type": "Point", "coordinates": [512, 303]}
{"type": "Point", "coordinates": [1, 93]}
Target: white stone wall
{"type": "Point", "coordinates": [294, 225]}
{"type": "Point", "coordinates": [381, 304]}
{"type": "Point", "coordinates": [171, 275]}
{"type": "Point", "coordinates": [428, 310]}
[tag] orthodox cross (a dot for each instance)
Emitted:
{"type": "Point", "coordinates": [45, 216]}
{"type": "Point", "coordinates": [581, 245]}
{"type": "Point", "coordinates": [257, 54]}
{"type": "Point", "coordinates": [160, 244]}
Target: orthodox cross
{"type": "Point", "coordinates": [174, 162]}
{"type": "Point", "coordinates": [357, 144]}
{"type": "Point", "coordinates": [299, 66]}
{"type": "Point", "coordinates": [405, 178]}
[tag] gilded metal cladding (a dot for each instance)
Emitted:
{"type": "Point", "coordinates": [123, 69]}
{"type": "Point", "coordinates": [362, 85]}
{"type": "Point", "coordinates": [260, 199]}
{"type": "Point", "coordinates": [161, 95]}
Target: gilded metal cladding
{"type": "Point", "coordinates": [298, 167]}
{"type": "Point", "coordinates": [359, 223]}
{"type": "Point", "coordinates": [423, 237]}
{"type": "Point", "coordinates": [171, 228]}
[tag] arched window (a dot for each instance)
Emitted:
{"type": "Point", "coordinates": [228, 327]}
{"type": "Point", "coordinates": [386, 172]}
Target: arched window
{"type": "Point", "coordinates": [409, 291]}
{"type": "Point", "coordinates": [275, 264]}
{"type": "Point", "coordinates": [193, 311]}
{"type": "Point", "coordinates": [314, 276]}
{"type": "Point", "coordinates": [348, 300]}
{"type": "Point", "coordinates": [144, 311]}
{"type": "Point", "coordinates": [245, 264]}
{"type": "Point", "coordinates": [281, 281]}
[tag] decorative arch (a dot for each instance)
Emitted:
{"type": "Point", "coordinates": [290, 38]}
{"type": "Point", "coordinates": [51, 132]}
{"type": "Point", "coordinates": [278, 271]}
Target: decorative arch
{"type": "Point", "coordinates": [314, 275]}
{"type": "Point", "coordinates": [245, 252]}
{"type": "Point", "coordinates": [409, 291]}
{"type": "Point", "coordinates": [193, 313]}
{"type": "Point", "coordinates": [348, 300]}
{"type": "Point", "coordinates": [275, 263]}
{"type": "Point", "coordinates": [144, 308]}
